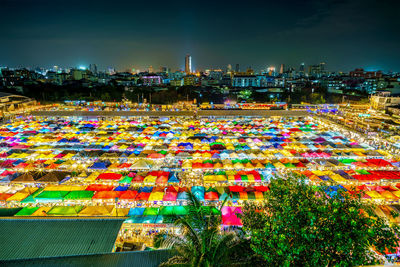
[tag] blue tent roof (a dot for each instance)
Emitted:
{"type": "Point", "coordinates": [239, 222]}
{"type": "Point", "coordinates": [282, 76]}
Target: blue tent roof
{"type": "Point", "coordinates": [98, 166]}
{"type": "Point", "coordinates": [146, 189]}
{"type": "Point", "coordinates": [198, 192]}
{"type": "Point", "coordinates": [136, 211]}
{"type": "Point", "coordinates": [122, 188]}
{"type": "Point", "coordinates": [173, 178]}
{"type": "Point", "coordinates": [182, 196]}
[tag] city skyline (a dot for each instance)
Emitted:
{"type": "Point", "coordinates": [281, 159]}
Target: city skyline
{"type": "Point", "coordinates": [190, 69]}
{"type": "Point", "coordinates": [256, 34]}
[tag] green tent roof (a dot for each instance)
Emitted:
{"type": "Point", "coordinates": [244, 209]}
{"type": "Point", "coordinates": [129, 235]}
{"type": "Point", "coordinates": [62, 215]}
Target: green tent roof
{"type": "Point", "coordinates": [27, 211]}
{"type": "Point", "coordinates": [208, 209]}
{"type": "Point", "coordinates": [31, 198]}
{"type": "Point", "coordinates": [151, 211]}
{"type": "Point", "coordinates": [167, 210]}
{"type": "Point", "coordinates": [65, 210]}
{"type": "Point", "coordinates": [81, 194]}
{"type": "Point", "coordinates": [174, 210]}
{"type": "Point", "coordinates": [126, 180]}
{"type": "Point", "coordinates": [51, 196]}
{"type": "Point", "coordinates": [347, 161]}
{"type": "Point", "coordinates": [289, 165]}
{"type": "Point", "coordinates": [362, 171]}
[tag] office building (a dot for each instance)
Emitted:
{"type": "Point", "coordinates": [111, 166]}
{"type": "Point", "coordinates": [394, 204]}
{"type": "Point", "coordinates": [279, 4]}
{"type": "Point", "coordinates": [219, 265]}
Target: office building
{"type": "Point", "coordinates": [244, 81]}
{"type": "Point", "coordinates": [188, 64]}
{"type": "Point", "coordinates": [282, 69]}
{"type": "Point", "coordinates": [93, 68]}
{"type": "Point", "coordinates": [317, 71]}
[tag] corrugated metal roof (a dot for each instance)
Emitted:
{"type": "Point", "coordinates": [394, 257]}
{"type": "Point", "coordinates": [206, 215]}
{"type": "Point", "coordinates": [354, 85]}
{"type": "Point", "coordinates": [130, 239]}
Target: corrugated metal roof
{"type": "Point", "coordinates": [119, 259]}
{"type": "Point", "coordinates": [37, 238]}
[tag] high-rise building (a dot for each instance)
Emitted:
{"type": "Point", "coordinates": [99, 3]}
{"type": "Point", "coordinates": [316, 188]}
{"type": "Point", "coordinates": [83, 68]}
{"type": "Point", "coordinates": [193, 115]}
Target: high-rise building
{"type": "Point", "coordinates": [282, 70]}
{"type": "Point", "coordinates": [93, 68]}
{"type": "Point", "coordinates": [229, 69]}
{"type": "Point", "coordinates": [188, 64]}
{"type": "Point", "coordinates": [79, 74]}
{"type": "Point", "coordinates": [322, 66]}
{"type": "Point", "coordinates": [317, 70]}
{"type": "Point", "coordinates": [151, 70]}
{"type": "Point", "coordinates": [302, 67]}
{"type": "Point", "coordinates": [111, 71]}
{"type": "Point", "coordinates": [237, 69]}
{"type": "Point", "coordinates": [164, 69]}
{"type": "Point", "coordinates": [56, 68]}
{"type": "Point", "coordinates": [271, 71]}
{"type": "Point", "coordinates": [249, 71]}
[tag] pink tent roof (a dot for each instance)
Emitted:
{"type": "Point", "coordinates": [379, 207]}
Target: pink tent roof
{"type": "Point", "coordinates": [229, 216]}
{"type": "Point", "coordinates": [170, 196]}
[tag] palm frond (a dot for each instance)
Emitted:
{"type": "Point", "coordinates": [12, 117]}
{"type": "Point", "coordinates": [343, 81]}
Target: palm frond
{"type": "Point", "coordinates": [223, 245]}
{"type": "Point", "coordinates": [176, 261]}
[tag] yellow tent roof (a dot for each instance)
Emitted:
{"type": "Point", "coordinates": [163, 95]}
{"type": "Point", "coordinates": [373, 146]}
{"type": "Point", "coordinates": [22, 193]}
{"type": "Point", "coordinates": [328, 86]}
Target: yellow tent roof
{"type": "Point", "coordinates": [96, 211]}
{"type": "Point", "coordinates": [42, 211]}
{"type": "Point", "coordinates": [120, 212]}
{"type": "Point", "coordinates": [374, 195]}
{"type": "Point", "coordinates": [64, 188]}
{"type": "Point", "coordinates": [156, 196]}
{"type": "Point", "coordinates": [150, 179]}
{"type": "Point", "coordinates": [18, 196]}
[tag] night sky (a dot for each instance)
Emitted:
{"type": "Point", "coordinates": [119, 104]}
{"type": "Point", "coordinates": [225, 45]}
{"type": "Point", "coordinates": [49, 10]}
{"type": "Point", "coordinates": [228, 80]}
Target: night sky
{"type": "Point", "coordinates": [131, 34]}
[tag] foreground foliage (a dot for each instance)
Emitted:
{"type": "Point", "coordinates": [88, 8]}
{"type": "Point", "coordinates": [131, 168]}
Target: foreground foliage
{"type": "Point", "coordinates": [303, 225]}
{"type": "Point", "coordinates": [201, 242]}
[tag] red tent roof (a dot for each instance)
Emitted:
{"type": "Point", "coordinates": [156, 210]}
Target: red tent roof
{"type": "Point", "coordinates": [236, 188]}
{"type": "Point", "coordinates": [129, 194]}
{"type": "Point", "coordinates": [99, 187]}
{"type": "Point", "coordinates": [212, 196]}
{"type": "Point", "coordinates": [109, 176]}
{"type": "Point", "coordinates": [107, 194]}
{"type": "Point", "coordinates": [261, 188]}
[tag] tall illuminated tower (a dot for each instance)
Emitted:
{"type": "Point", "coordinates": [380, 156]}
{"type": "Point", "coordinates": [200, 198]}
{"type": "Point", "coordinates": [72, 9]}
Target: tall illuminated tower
{"type": "Point", "coordinates": [188, 64]}
{"type": "Point", "coordinates": [282, 70]}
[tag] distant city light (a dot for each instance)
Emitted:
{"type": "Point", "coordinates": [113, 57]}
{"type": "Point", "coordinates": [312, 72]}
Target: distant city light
{"type": "Point", "coordinates": [82, 67]}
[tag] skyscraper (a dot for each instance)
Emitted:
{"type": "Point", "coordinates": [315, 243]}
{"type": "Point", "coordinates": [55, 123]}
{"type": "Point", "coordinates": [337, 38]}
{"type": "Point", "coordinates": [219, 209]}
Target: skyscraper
{"type": "Point", "coordinates": [271, 71]}
{"type": "Point", "coordinates": [164, 69]}
{"type": "Point", "coordinates": [322, 66]}
{"type": "Point", "coordinates": [237, 69]}
{"type": "Point", "coordinates": [56, 68]}
{"type": "Point", "coordinates": [93, 68]}
{"type": "Point", "coordinates": [229, 69]}
{"type": "Point", "coordinates": [302, 67]}
{"type": "Point", "coordinates": [317, 70]}
{"type": "Point", "coordinates": [282, 70]}
{"type": "Point", "coordinates": [188, 64]}
{"type": "Point", "coordinates": [110, 71]}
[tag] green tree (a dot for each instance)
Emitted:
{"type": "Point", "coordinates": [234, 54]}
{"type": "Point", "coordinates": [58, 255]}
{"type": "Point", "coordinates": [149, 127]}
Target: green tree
{"type": "Point", "coordinates": [317, 98]}
{"type": "Point", "coordinates": [303, 225]}
{"type": "Point", "coordinates": [105, 96]}
{"type": "Point", "coordinates": [201, 242]}
{"type": "Point", "coordinates": [245, 95]}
